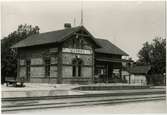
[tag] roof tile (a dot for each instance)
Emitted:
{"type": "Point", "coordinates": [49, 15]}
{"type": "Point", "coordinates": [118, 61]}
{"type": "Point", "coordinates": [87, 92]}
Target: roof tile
{"type": "Point", "coordinates": [58, 36]}
{"type": "Point", "coordinates": [109, 48]}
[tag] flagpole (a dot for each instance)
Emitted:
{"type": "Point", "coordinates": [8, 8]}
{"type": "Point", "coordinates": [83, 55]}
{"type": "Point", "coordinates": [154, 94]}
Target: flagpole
{"type": "Point", "coordinates": [81, 12]}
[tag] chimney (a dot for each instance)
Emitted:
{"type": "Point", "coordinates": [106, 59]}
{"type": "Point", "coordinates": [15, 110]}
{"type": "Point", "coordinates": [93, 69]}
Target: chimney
{"type": "Point", "coordinates": [67, 25]}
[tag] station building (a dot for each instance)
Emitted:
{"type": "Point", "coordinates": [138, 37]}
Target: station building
{"type": "Point", "coordinates": [70, 55]}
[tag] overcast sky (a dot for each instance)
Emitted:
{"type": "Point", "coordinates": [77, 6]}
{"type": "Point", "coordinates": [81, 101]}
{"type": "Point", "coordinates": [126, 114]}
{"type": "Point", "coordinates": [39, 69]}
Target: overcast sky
{"type": "Point", "coordinates": [126, 24]}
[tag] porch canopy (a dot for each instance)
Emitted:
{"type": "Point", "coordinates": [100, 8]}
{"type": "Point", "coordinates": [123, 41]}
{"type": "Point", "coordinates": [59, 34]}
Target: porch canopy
{"type": "Point", "coordinates": [111, 60]}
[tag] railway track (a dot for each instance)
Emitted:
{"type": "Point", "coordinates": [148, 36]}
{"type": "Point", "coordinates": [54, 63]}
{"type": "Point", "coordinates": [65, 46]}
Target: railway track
{"type": "Point", "coordinates": [30, 103]}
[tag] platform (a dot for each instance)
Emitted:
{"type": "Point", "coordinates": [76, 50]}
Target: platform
{"type": "Point", "coordinates": [42, 90]}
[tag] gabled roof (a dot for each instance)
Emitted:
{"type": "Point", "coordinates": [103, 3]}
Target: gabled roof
{"type": "Point", "coordinates": [49, 37]}
{"type": "Point", "coordinates": [109, 48]}
{"type": "Point", "coordinates": [45, 38]}
{"type": "Point", "coordinates": [104, 46]}
{"type": "Point", "coordinates": [140, 69]}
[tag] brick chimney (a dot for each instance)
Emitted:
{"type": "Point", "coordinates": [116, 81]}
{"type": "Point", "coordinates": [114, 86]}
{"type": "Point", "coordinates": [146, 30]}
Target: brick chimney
{"type": "Point", "coordinates": [67, 25]}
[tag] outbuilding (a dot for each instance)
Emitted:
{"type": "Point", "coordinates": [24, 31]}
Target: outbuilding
{"type": "Point", "coordinates": [138, 75]}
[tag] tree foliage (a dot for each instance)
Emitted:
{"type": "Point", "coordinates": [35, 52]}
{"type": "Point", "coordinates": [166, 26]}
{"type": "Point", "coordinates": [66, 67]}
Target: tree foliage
{"type": "Point", "coordinates": [8, 55]}
{"type": "Point", "coordinates": [154, 54]}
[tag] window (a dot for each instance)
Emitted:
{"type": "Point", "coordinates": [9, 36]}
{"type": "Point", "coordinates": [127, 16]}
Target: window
{"type": "Point", "coordinates": [47, 67]}
{"type": "Point", "coordinates": [77, 67]}
{"type": "Point", "coordinates": [73, 43]}
{"type": "Point", "coordinates": [77, 43]}
{"type": "Point", "coordinates": [81, 44]}
{"type": "Point", "coordinates": [28, 63]}
{"type": "Point", "coordinates": [74, 68]}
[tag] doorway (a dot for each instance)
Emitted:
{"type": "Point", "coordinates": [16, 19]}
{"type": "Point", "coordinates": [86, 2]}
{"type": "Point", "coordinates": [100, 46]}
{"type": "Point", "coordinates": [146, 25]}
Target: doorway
{"type": "Point", "coordinates": [101, 73]}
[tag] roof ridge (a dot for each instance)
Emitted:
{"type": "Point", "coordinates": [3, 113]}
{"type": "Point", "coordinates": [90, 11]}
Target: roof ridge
{"type": "Point", "coordinates": [100, 38]}
{"type": "Point", "coordinates": [59, 30]}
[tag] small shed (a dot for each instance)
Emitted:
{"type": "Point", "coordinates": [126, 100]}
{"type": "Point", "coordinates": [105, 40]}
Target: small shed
{"type": "Point", "coordinates": [138, 74]}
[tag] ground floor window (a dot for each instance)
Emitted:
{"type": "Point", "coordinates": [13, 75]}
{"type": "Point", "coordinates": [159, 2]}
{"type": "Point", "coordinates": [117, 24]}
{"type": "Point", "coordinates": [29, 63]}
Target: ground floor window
{"type": "Point", "coordinates": [28, 64]}
{"type": "Point", "coordinates": [77, 64]}
{"type": "Point", "coordinates": [47, 67]}
{"type": "Point", "coordinates": [79, 70]}
{"type": "Point", "coordinates": [73, 70]}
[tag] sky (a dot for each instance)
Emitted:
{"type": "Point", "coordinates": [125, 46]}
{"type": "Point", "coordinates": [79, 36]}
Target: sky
{"type": "Point", "coordinates": [127, 24]}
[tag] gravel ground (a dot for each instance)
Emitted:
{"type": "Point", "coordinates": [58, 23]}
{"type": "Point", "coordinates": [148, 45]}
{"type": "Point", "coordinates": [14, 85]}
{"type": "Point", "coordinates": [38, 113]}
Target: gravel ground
{"type": "Point", "coordinates": [158, 106]}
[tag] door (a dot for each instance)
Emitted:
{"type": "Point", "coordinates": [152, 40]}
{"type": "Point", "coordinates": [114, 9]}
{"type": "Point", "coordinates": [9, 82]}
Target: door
{"type": "Point", "coordinates": [101, 71]}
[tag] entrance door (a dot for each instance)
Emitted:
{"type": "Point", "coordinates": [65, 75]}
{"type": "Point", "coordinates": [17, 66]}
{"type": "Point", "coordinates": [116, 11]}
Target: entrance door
{"type": "Point", "coordinates": [101, 72]}
{"type": "Point", "coordinates": [28, 63]}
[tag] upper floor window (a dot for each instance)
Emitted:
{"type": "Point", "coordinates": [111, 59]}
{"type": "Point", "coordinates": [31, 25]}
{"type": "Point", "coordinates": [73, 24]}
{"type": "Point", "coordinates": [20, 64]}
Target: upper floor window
{"type": "Point", "coordinates": [81, 43]}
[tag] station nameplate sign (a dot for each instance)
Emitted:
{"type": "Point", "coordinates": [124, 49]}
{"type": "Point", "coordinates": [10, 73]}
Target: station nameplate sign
{"type": "Point", "coordinates": [77, 51]}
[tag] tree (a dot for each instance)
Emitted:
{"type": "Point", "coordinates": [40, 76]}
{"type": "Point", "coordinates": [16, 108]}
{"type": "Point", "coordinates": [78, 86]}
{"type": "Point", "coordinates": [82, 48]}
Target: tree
{"type": "Point", "coordinates": [8, 55]}
{"type": "Point", "coordinates": [154, 54]}
{"type": "Point", "coordinates": [145, 54]}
